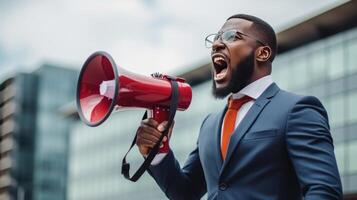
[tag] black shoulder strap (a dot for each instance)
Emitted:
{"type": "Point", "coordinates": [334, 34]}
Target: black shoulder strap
{"type": "Point", "coordinates": [173, 107]}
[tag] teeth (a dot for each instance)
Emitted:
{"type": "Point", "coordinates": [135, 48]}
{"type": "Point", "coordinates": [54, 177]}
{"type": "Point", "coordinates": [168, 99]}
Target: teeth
{"type": "Point", "coordinates": [216, 59]}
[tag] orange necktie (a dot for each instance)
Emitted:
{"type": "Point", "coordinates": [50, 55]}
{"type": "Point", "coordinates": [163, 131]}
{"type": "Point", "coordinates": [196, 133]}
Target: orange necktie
{"type": "Point", "coordinates": [229, 121]}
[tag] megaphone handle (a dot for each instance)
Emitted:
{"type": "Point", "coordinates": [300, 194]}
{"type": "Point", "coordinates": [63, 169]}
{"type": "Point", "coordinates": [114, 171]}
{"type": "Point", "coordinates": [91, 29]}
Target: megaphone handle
{"type": "Point", "coordinates": [161, 114]}
{"type": "Point", "coordinates": [153, 153]}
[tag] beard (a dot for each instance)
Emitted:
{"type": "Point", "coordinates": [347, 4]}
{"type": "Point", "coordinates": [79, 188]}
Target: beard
{"type": "Point", "coordinates": [240, 77]}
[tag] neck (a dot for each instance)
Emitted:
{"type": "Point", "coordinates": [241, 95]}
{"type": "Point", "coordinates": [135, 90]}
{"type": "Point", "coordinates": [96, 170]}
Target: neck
{"type": "Point", "coordinates": [260, 71]}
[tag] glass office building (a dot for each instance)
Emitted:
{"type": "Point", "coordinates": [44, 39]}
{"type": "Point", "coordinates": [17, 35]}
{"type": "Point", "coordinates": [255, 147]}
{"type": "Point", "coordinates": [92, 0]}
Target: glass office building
{"type": "Point", "coordinates": [325, 67]}
{"type": "Point", "coordinates": [17, 117]}
{"type": "Point", "coordinates": [56, 86]}
{"type": "Point", "coordinates": [34, 135]}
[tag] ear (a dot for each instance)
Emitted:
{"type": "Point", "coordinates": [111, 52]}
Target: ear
{"type": "Point", "coordinates": [263, 53]}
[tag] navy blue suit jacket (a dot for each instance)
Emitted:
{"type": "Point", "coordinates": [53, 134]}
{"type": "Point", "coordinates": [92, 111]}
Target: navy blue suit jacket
{"type": "Point", "coordinates": [282, 150]}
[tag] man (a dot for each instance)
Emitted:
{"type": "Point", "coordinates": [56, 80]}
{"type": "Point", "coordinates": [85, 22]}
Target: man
{"type": "Point", "coordinates": [274, 145]}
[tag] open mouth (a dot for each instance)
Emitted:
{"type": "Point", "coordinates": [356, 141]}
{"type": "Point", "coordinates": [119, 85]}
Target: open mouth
{"type": "Point", "coordinates": [220, 64]}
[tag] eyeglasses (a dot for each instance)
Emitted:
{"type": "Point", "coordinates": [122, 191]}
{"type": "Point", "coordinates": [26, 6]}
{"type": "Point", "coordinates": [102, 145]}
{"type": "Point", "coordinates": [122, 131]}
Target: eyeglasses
{"type": "Point", "coordinates": [228, 36]}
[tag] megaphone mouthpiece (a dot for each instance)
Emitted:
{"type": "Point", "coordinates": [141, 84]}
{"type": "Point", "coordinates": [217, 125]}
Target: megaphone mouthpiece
{"type": "Point", "coordinates": [107, 88]}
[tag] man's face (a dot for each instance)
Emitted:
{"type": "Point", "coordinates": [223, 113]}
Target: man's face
{"type": "Point", "coordinates": [233, 62]}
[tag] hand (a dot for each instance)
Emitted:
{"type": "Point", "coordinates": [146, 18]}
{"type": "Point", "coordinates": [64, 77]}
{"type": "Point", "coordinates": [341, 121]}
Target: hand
{"type": "Point", "coordinates": [149, 133]}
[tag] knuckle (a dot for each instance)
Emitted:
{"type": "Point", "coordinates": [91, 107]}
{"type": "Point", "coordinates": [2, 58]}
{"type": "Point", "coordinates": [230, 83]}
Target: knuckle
{"type": "Point", "coordinates": [139, 131]}
{"type": "Point", "coordinates": [152, 121]}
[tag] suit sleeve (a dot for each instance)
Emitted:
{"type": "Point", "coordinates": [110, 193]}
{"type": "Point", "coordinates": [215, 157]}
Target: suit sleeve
{"type": "Point", "coordinates": [311, 151]}
{"type": "Point", "coordinates": [187, 183]}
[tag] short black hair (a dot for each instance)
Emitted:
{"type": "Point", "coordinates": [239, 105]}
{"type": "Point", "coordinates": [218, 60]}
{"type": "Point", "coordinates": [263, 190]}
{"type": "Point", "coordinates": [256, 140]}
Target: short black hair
{"type": "Point", "coordinates": [265, 32]}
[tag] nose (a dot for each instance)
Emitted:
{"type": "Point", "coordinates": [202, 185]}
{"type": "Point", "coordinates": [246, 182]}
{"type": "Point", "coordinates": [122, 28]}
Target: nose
{"type": "Point", "coordinates": [218, 45]}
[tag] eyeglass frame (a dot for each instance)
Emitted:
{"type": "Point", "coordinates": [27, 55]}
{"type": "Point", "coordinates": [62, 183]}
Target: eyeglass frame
{"type": "Point", "coordinates": [219, 34]}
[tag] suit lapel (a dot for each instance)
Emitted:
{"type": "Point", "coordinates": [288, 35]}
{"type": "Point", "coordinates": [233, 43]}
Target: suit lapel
{"type": "Point", "coordinates": [217, 130]}
{"type": "Point", "coordinates": [248, 120]}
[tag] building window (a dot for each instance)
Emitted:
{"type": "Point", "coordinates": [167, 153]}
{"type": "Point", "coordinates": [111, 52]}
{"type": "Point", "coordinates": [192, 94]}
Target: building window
{"type": "Point", "coordinates": [317, 66]}
{"type": "Point", "coordinates": [335, 109]}
{"type": "Point", "coordinates": [336, 66]}
{"type": "Point", "coordinates": [283, 77]}
{"type": "Point", "coordinates": [298, 73]}
{"type": "Point", "coordinates": [352, 56]}
{"type": "Point", "coordinates": [352, 107]}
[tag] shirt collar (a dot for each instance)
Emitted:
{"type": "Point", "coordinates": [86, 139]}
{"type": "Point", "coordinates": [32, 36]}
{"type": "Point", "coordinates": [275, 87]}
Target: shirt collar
{"type": "Point", "coordinates": [254, 89]}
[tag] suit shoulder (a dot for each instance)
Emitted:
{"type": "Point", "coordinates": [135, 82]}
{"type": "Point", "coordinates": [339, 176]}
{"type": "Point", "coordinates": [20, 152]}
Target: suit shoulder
{"type": "Point", "coordinates": [297, 101]}
{"type": "Point", "coordinates": [296, 98]}
{"type": "Point", "coordinates": [289, 100]}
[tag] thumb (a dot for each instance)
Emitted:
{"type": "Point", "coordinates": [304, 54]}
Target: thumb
{"type": "Point", "coordinates": [162, 126]}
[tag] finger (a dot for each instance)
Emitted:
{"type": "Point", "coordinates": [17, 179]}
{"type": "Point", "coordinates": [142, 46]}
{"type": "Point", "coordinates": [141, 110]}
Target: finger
{"type": "Point", "coordinates": [150, 122]}
{"type": "Point", "coordinates": [149, 136]}
{"type": "Point", "coordinates": [144, 150]}
{"type": "Point", "coordinates": [162, 126]}
{"type": "Point", "coordinates": [165, 123]}
{"type": "Point", "coordinates": [149, 129]}
{"type": "Point", "coordinates": [142, 142]}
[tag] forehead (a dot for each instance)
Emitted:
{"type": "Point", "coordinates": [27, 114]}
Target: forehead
{"type": "Point", "coordinates": [237, 24]}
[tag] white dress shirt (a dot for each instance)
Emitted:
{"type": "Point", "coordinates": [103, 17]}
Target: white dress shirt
{"type": "Point", "coordinates": [253, 90]}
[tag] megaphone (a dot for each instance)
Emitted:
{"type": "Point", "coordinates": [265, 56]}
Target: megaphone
{"type": "Point", "coordinates": [103, 87]}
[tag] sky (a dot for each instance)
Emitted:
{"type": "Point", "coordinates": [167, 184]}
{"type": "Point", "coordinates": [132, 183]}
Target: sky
{"type": "Point", "coordinates": [143, 36]}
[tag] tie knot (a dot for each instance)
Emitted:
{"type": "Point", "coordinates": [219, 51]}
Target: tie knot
{"type": "Point", "coordinates": [237, 103]}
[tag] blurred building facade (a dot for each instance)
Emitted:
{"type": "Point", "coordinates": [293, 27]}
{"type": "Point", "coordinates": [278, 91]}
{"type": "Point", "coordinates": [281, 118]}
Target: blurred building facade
{"type": "Point", "coordinates": [17, 117]}
{"type": "Point", "coordinates": [34, 136]}
{"type": "Point", "coordinates": [316, 57]}
{"type": "Point", "coordinates": [56, 86]}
